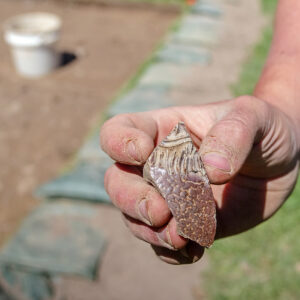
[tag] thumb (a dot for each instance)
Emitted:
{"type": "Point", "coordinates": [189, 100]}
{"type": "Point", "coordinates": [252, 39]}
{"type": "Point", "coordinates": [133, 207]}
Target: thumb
{"type": "Point", "coordinates": [229, 142]}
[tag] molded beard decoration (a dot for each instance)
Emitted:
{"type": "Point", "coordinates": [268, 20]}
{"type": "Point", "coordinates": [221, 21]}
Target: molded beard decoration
{"type": "Point", "coordinates": [175, 169]}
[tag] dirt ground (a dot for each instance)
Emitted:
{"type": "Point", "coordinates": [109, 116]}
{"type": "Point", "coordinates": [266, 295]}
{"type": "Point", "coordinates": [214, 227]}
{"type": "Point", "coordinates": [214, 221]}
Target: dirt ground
{"type": "Point", "coordinates": [43, 122]}
{"type": "Point", "coordinates": [129, 269]}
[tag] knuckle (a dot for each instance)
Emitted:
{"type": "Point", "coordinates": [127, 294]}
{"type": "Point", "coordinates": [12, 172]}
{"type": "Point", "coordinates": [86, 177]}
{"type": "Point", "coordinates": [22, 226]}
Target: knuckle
{"type": "Point", "coordinates": [111, 187]}
{"type": "Point", "coordinates": [239, 126]}
{"type": "Point", "coordinates": [247, 101]}
{"type": "Point", "coordinates": [138, 230]}
{"type": "Point", "coordinates": [107, 178]}
{"type": "Point", "coordinates": [121, 117]}
{"type": "Point", "coordinates": [250, 104]}
{"type": "Point", "coordinates": [158, 210]}
{"type": "Point", "coordinates": [104, 131]}
{"type": "Point", "coordinates": [118, 197]}
{"type": "Point", "coordinates": [107, 128]}
{"type": "Point", "coordinates": [145, 194]}
{"type": "Point", "coordinates": [254, 115]}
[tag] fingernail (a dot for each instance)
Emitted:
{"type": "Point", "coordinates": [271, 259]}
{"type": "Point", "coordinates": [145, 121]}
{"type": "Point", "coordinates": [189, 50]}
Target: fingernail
{"type": "Point", "coordinates": [143, 212]}
{"type": "Point", "coordinates": [217, 160]}
{"type": "Point", "coordinates": [132, 152]}
{"type": "Point", "coordinates": [164, 238]}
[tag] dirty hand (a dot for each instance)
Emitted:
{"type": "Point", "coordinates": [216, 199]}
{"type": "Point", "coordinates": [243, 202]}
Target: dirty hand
{"type": "Point", "coordinates": [250, 152]}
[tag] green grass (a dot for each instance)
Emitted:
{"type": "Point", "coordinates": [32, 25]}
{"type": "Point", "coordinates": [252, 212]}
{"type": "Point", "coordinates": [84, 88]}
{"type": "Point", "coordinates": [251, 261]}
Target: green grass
{"type": "Point", "coordinates": [268, 6]}
{"type": "Point", "coordinates": [263, 263]}
{"type": "Point", "coordinates": [253, 66]}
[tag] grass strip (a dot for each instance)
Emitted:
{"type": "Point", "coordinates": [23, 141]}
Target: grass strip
{"type": "Point", "coordinates": [263, 263]}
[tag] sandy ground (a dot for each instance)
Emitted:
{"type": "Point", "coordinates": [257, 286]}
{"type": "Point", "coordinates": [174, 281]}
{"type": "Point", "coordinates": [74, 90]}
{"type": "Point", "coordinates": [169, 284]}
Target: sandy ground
{"type": "Point", "coordinates": [44, 122]}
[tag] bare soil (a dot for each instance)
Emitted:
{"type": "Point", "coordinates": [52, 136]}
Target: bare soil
{"type": "Point", "coordinates": [43, 122]}
{"type": "Point", "coordinates": [129, 270]}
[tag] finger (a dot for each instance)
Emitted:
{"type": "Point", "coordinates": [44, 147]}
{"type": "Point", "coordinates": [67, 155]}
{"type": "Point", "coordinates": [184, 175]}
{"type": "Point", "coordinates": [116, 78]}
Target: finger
{"type": "Point", "coordinates": [134, 197]}
{"type": "Point", "coordinates": [166, 236]}
{"type": "Point", "coordinates": [188, 255]}
{"type": "Point", "coordinates": [229, 142]}
{"type": "Point", "coordinates": [129, 138]}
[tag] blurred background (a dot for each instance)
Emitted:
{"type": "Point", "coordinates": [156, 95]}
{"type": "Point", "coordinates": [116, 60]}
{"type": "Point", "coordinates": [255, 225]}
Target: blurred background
{"type": "Point", "coordinates": [60, 237]}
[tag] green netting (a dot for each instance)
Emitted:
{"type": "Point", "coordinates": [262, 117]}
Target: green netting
{"type": "Point", "coordinates": [197, 30]}
{"type": "Point", "coordinates": [207, 8]}
{"type": "Point", "coordinates": [165, 73]}
{"type": "Point", "coordinates": [184, 54]}
{"type": "Point", "coordinates": [86, 179]}
{"type": "Point", "coordinates": [142, 98]}
{"type": "Point", "coordinates": [173, 64]}
{"type": "Point", "coordinates": [57, 238]}
{"type": "Point", "coordinates": [85, 182]}
{"type": "Point", "coordinates": [60, 237]}
{"type": "Point", "coordinates": [20, 285]}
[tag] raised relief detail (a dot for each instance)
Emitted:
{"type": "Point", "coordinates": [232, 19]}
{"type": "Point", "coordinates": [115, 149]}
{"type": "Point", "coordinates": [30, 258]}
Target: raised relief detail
{"type": "Point", "coordinates": [175, 169]}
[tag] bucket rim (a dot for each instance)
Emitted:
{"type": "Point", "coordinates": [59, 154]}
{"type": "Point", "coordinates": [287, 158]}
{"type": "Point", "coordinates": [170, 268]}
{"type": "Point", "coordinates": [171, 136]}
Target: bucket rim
{"type": "Point", "coordinates": [32, 29]}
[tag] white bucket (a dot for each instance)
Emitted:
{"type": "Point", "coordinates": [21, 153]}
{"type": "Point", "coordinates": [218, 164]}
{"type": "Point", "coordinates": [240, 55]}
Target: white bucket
{"type": "Point", "coordinates": [32, 38]}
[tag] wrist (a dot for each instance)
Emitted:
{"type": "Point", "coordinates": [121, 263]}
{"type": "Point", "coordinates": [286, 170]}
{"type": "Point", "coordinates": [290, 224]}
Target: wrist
{"type": "Point", "coordinates": [280, 87]}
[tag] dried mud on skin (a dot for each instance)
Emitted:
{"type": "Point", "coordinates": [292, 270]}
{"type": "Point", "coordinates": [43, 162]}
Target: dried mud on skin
{"type": "Point", "coordinates": [175, 169]}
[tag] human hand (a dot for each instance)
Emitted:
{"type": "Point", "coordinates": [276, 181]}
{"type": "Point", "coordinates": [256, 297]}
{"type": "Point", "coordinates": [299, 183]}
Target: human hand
{"type": "Point", "coordinates": [250, 151]}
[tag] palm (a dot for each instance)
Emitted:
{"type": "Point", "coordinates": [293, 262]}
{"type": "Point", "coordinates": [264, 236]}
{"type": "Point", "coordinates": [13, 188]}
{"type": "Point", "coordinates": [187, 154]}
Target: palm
{"type": "Point", "coordinates": [245, 202]}
{"type": "Point", "coordinates": [254, 194]}
{"type": "Point", "coordinates": [252, 169]}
